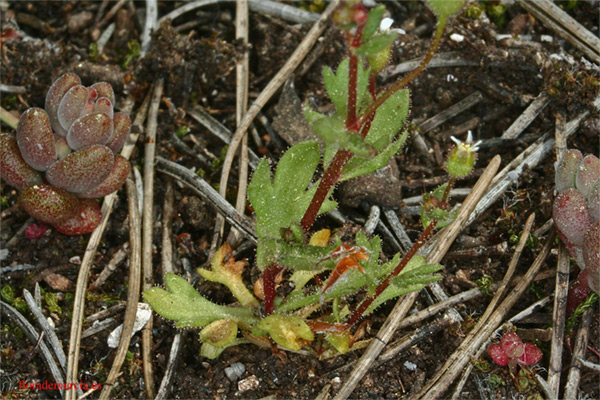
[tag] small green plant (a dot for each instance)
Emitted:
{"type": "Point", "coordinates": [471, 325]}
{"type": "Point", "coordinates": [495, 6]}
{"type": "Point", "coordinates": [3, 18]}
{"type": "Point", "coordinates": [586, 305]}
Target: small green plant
{"type": "Point", "coordinates": [358, 138]}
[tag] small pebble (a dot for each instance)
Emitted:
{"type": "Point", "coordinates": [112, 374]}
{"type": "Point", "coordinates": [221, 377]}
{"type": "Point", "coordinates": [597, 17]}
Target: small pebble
{"type": "Point", "coordinates": [457, 37]}
{"type": "Point", "coordinates": [235, 371]}
{"type": "Point", "coordinates": [410, 366]}
{"type": "Point", "coordinates": [249, 383]}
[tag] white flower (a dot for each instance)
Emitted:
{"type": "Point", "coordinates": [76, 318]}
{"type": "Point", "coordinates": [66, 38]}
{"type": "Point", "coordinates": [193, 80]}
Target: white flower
{"type": "Point", "coordinates": [386, 24]}
{"type": "Point", "coordinates": [468, 145]}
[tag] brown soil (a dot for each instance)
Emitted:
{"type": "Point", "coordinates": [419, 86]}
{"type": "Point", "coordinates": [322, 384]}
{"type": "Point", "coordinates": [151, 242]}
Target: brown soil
{"type": "Point", "coordinates": [198, 67]}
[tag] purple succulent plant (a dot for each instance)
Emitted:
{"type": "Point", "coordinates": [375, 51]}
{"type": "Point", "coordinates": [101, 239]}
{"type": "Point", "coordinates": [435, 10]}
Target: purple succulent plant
{"type": "Point", "coordinates": [63, 157]}
{"type": "Point", "coordinates": [576, 212]}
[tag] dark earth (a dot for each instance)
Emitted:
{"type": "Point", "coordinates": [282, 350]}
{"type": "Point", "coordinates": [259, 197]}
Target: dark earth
{"type": "Point", "coordinates": [196, 56]}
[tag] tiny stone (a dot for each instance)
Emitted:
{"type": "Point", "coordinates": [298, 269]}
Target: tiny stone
{"type": "Point", "coordinates": [546, 38]}
{"type": "Point", "coordinates": [457, 37]}
{"type": "Point", "coordinates": [75, 260]}
{"type": "Point", "coordinates": [250, 383]}
{"type": "Point", "coordinates": [336, 383]}
{"type": "Point", "coordinates": [235, 371]}
{"type": "Point", "coordinates": [3, 254]}
{"type": "Point", "coordinates": [410, 366]}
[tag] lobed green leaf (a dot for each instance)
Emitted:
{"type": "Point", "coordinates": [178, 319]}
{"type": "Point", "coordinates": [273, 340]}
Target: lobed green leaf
{"type": "Point", "coordinates": [184, 305]}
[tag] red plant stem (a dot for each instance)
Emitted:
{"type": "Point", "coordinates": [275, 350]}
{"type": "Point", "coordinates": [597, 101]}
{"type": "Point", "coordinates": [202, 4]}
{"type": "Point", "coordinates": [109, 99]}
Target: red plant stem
{"type": "Point", "coordinates": [448, 188]}
{"type": "Point", "coordinates": [404, 81]}
{"type": "Point", "coordinates": [269, 275]}
{"type": "Point", "coordinates": [358, 313]}
{"type": "Point", "coordinates": [330, 178]}
{"type": "Point", "coordinates": [372, 89]}
{"type": "Point", "coordinates": [353, 42]}
{"type": "Point", "coordinates": [352, 82]}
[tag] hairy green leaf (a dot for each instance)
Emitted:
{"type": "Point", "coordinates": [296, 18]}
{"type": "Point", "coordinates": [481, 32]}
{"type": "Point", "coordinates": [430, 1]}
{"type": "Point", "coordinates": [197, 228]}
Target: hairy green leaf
{"type": "Point", "coordinates": [415, 276]}
{"type": "Point", "coordinates": [184, 305]}
{"type": "Point", "coordinates": [288, 331]}
{"type": "Point", "coordinates": [445, 8]}
{"type": "Point", "coordinates": [376, 44]}
{"type": "Point", "coordinates": [373, 20]}
{"type": "Point", "coordinates": [389, 119]}
{"type": "Point", "coordinates": [358, 166]}
{"type": "Point", "coordinates": [336, 85]}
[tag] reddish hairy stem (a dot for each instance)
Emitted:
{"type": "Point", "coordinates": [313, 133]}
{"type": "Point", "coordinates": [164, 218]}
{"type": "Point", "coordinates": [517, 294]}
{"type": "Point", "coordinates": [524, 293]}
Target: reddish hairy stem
{"type": "Point", "coordinates": [403, 82]}
{"type": "Point", "coordinates": [330, 178]}
{"type": "Point", "coordinates": [352, 81]}
{"type": "Point", "coordinates": [358, 313]}
{"type": "Point", "coordinates": [269, 275]}
{"type": "Point", "coordinates": [364, 131]}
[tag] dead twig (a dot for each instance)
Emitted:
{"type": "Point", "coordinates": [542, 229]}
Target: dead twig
{"type": "Point", "coordinates": [148, 227]}
{"type": "Point", "coordinates": [133, 290]}
{"type": "Point", "coordinates": [581, 342]}
{"type": "Point", "coordinates": [561, 287]}
{"type": "Point", "coordinates": [527, 117]}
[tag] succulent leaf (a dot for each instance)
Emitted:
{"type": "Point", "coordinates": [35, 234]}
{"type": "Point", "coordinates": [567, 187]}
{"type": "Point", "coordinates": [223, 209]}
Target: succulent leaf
{"type": "Point", "coordinates": [13, 168]}
{"type": "Point", "coordinates": [95, 128]}
{"type": "Point", "coordinates": [498, 355]}
{"type": "Point", "coordinates": [104, 105]}
{"type": "Point", "coordinates": [83, 170]}
{"type": "Point", "coordinates": [566, 170]}
{"type": "Point", "coordinates": [531, 354]}
{"type": "Point", "coordinates": [48, 203]}
{"type": "Point", "coordinates": [113, 181]}
{"type": "Point", "coordinates": [85, 220]}
{"type": "Point", "coordinates": [55, 94]}
{"type": "Point", "coordinates": [122, 125]}
{"type": "Point", "coordinates": [591, 255]}
{"type": "Point", "coordinates": [512, 345]}
{"type": "Point", "coordinates": [594, 200]}
{"type": "Point", "coordinates": [571, 216]}
{"type": "Point", "coordinates": [35, 139]}
{"type": "Point", "coordinates": [587, 174]}
{"type": "Point", "coordinates": [104, 89]}
{"type": "Point", "coordinates": [72, 106]}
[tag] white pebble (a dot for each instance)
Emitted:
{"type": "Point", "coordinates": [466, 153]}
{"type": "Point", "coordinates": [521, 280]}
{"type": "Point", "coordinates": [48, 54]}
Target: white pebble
{"type": "Point", "coordinates": [457, 37]}
{"type": "Point", "coordinates": [142, 316]}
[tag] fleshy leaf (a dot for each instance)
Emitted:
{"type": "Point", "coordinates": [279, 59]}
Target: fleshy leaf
{"type": "Point", "coordinates": [341, 341]}
{"type": "Point", "coordinates": [104, 105]}
{"type": "Point", "coordinates": [72, 105]}
{"type": "Point", "coordinates": [594, 201]}
{"type": "Point", "coordinates": [84, 221]}
{"type": "Point", "coordinates": [184, 305]}
{"type": "Point", "coordinates": [591, 255]}
{"type": "Point", "coordinates": [512, 345]}
{"type": "Point", "coordinates": [104, 89]}
{"type": "Point", "coordinates": [566, 170]}
{"type": "Point", "coordinates": [113, 181]}
{"type": "Point", "coordinates": [289, 331]}
{"type": "Point", "coordinates": [587, 174]}
{"type": "Point", "coordinates": [55, 94]}
{"type": "Point", "coordinates": [498, 355]}
{"type": "Point", "coordinates": [83, 170]}
{"type": "Point", "coordinates": [571, 215]}
{"type": "Point", "coordinates": [531, 354]}
{"type": "Point", "coordinates": [230, 275]}
{"type": "Point", "coordinates": [35, 139]}
{"type": "Point", "coordinates": [95, 128]}
{"type": "Point", "coordinates": [48, 203]}
{"type": "Point", "coordinates": [122, 125]}
{"type": "Point", "coordinates": [13, 168]}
